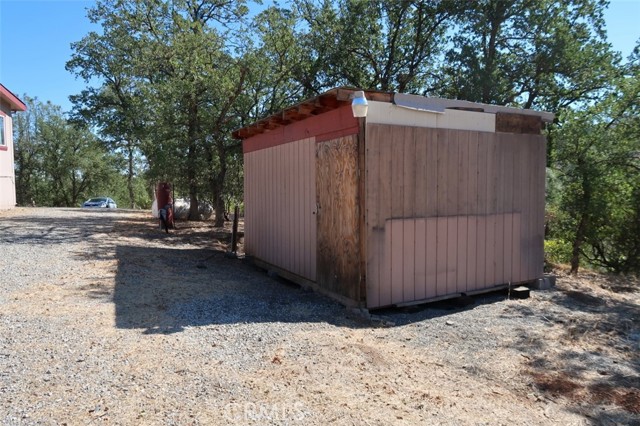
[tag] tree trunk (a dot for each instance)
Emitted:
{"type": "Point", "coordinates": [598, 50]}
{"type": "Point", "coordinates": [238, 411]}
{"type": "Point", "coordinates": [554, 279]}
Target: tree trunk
{"type": "Point", "coordinates": [132, 198]}
{"type": "Point", "coordinates": [583, 224]}
{"type": "Point", "coordinates": [577, 244]}
{"type": "Point", "coordinates": [192, 157]}
{"type": "Point", "coordinates": [217, 185]}
{"type": "Point", "coordinates": [74, 190]}
{"type": "Point", "coordinates": [219, 209]}
{"type": "Point", "coordinates": [496, 18]}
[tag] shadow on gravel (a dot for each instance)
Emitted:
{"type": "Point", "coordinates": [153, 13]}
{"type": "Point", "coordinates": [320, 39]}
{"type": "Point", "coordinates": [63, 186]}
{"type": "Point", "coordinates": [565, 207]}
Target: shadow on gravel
{"type": "Point", "coordinates": [598, 368]}
{"type": "Point", "coordinates": [77, 225]}
{"type": "Point", "coordinates": [58, 230]}
{"type": "Point", "coordinates": [164, 290]}
{"type": "Point", "coordinates": [412, 314]}
{"type": "Point", "coordinates": [195, 233]}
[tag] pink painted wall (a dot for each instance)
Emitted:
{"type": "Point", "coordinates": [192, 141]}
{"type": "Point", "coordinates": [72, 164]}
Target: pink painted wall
{"type": "Point", "coordinates": [280, 190]}
{"type": "Point", "coordinates": [7, 175]}
{"type": "Point", "coordinates": [451, 211]}
{"type": "Point", "coordinates": [8, 103]}
{"type": "Point", "coordinates": [280, 206]}
{"type": "Point", "coordinates": [329, 125]}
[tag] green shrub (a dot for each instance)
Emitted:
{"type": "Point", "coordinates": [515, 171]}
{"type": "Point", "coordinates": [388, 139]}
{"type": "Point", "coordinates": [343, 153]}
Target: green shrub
{"type": "Point", "coordinates": [557, 251]}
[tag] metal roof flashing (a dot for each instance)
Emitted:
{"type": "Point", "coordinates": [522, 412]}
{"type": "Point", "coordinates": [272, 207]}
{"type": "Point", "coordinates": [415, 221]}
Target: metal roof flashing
{"type": "Point", "coordinates": [439, 105]}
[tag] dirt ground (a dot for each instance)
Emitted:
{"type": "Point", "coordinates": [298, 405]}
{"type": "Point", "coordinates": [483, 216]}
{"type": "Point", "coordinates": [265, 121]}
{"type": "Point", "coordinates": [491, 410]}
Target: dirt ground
{"type": "Point", "coordinates": [104, 319]}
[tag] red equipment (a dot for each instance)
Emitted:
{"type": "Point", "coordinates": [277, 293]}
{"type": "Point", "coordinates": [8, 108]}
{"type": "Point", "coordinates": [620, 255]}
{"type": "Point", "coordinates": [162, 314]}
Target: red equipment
{"type": "Point", "coordinates": [165, 205]}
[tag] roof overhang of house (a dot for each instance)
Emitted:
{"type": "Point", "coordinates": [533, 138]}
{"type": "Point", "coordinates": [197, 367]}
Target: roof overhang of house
{"type": "Point", "coordinates": [15, 104]}
{"type": "Point", "coordinates": [338, 97]}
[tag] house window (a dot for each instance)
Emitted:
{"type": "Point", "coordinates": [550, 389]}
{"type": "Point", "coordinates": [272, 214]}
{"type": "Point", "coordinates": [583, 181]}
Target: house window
{"type": "Point", "coordinates": [3, 142]}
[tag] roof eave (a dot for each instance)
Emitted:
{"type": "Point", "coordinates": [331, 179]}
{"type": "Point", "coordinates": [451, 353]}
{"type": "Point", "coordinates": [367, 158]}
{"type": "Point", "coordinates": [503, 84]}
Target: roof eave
{"type": "Point", "coordinates": [341, 96]}
{"type": "Point", "coordinates": [332, 99]}
{"type": "Point", "coordinates": [15, 104]}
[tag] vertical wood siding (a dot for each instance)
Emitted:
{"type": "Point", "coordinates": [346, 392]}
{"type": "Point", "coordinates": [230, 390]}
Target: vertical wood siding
{"type": "Point", "coordinates": [451, 211]}
{"type": "Point", "coordinates": [280, 201]}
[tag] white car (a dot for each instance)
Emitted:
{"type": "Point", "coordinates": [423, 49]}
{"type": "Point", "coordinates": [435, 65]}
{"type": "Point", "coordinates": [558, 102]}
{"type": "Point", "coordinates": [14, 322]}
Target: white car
{"type": "Point", "coordinates": [100, 202]}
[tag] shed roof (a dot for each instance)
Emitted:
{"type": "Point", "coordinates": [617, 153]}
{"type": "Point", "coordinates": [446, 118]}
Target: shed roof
{"type": "Point", "coordinates": [341, 96]}
{"type": "Point", "coordinates": [14, 102]}
{"type": "Point", "coordinates": [322, 103]}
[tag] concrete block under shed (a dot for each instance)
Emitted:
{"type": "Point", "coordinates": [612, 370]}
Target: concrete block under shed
{"type": "Point", "coordinates": [521, 292]}
{"type": "Point", "coordinates": [544, 283]}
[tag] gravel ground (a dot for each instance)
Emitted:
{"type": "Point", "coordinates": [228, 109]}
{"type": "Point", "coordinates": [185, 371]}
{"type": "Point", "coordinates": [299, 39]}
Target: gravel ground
{"type": "Point", "coordinates": [105, 319]}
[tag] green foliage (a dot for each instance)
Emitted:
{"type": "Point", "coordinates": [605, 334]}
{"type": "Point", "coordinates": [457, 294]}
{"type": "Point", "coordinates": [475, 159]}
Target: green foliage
{"type": "Point", "coordinates": [173, 78]}
{"type": "Point", "coordinates": [531, 53]}
{"type": "Point", "coordinates": [373, 44]}
{"type": "Point", "coordinates": [598, 166]}
{"type": "Point", "coordinates": [57, 163]}
{"type": "Point", "coordinates": [117, 188]}
{"type": "Point", "coordinates": [557, 251]}
{"type": "Point", "coordinates": [170, 79]}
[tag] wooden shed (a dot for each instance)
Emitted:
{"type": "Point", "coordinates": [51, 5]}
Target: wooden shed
{"type": "Point", "coordinates": [424, 199]}
{"type": "Point", "coordinates": [8, 103]}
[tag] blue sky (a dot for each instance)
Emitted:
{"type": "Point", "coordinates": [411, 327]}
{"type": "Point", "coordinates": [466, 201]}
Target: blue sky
{"type": "Point", "coordinates": [35, 38]}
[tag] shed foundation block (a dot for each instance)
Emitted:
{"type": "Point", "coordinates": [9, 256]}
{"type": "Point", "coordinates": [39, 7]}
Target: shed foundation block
{"type": "Point", "coordinates": [544, 283]}
{"type": "Point", "coordinates": [521, 292]}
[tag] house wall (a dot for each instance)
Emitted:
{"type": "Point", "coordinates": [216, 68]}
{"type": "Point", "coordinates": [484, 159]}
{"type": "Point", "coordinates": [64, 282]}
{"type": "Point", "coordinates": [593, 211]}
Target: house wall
{"type": "Point", "coordinates": [450, 211]}
{"type": "Point", "coordinates": [7, 176]}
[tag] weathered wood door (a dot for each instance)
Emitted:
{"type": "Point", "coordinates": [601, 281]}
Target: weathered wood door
{"type": "Point", "coordinates": [337, 216]}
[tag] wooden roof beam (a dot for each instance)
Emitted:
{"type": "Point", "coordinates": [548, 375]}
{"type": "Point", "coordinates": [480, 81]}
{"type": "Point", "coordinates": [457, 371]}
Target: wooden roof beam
{"type": "Point", "coordinates": [273, 123]}
{"type": "Point", "coordinates": [345, 95]}
{"type": "Point", "coordinates": [306, 109]}
{"type": "Point", "coordinates": [325, 101]}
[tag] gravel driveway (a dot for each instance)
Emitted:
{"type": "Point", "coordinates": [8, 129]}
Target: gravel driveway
{"type": "Point", "coordinates": [105, 319]}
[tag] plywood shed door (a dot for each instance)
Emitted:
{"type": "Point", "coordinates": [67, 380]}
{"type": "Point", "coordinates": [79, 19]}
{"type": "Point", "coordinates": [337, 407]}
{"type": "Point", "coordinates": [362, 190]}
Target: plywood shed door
{"type": "Point", "coordinates": [337, 216]}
